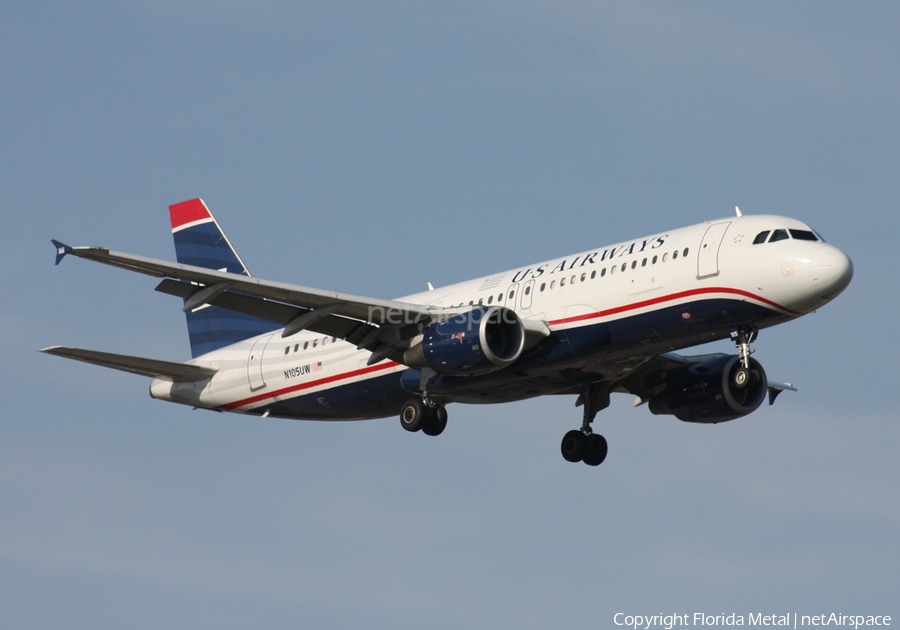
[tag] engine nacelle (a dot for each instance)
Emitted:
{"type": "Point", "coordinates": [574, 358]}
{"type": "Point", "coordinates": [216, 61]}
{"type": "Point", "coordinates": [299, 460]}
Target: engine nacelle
{"type": "Point", "coordinates": [707, 392]}
{"type": "Point", "coordinates": [479, 341]}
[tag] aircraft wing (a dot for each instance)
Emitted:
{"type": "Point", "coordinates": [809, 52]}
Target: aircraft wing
{"type": "Point", "coordinates": [371, 323]}
{"type": "Point", "coordinates": [372, 310]}
{"type": "Point", "coordinates": [135, 365]}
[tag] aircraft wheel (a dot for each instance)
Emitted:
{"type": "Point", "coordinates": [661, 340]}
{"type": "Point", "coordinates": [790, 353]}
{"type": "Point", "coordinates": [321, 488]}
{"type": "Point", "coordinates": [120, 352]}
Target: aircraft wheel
{"type": "Point", "coordinates": [414, 414]}
{"type": "Point", "coordinates": [596, 450]}
{"type": "Point", "coordinates": [436, 422]}
{"type": "Point", "coordinates": [741, 377]}
{"type": "Point", "coordinates": [574, 445]}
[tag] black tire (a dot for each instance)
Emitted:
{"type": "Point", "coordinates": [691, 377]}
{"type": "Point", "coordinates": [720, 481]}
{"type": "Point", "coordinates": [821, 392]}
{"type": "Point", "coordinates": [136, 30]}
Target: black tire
{"type": "Point", "coordinates": [413, 415]}
{"type": "Point", "coordinates": [436, 423]}
{"type": "Point", "coordinates": [596, 450]}
{"type": "Point", "coordinates": [574, 444]}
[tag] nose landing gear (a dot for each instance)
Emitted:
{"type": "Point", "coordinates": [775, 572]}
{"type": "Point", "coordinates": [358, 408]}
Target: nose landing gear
{"type": "Point", "coordinates": [742, 338]}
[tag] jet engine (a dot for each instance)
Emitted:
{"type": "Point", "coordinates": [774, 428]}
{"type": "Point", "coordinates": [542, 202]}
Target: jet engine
{"type": "Point", "coordinates": [712, 391]}
{"type": "Point", "coordinates": [482, 340]}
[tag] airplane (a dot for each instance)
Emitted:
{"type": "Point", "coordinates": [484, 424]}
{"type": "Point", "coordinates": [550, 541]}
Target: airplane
{"type": "Point", "coordinates": [603, 321]}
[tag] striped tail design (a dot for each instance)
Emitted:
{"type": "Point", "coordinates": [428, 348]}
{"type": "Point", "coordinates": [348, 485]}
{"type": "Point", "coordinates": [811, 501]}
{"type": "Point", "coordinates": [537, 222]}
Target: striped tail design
{"type": "Point", "coordinates": [199, 241]}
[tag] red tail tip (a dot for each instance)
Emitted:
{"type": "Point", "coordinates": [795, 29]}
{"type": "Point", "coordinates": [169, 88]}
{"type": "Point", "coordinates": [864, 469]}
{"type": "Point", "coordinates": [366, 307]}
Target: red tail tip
{"type": "Point", "coordinates": [188, 212]}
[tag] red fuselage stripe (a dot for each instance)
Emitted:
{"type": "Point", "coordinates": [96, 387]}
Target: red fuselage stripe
{"type": "Point", "coordinates": [671, 298]}
{"type": "Point", "coordinates": [316, 383]}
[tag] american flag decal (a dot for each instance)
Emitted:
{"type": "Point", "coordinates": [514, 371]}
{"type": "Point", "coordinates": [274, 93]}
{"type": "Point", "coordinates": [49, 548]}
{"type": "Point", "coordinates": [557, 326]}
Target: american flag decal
{"type": "Point", "coordinates": [317, 366]}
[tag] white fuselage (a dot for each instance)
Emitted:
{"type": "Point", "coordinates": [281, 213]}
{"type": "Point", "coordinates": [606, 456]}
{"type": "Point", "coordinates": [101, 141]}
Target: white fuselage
{"type": "Point", "coordinates": [652, 293]}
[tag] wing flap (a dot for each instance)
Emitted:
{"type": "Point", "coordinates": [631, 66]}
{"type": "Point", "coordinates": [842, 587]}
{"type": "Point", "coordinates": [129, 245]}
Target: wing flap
{"type": "Point", "coordinates": [277, 312]}
{"type": "Point", "coordinates": [135, 365]}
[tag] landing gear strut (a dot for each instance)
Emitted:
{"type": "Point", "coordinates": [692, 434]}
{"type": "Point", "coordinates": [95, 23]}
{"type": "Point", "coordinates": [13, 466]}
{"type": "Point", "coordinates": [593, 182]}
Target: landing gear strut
{"type": "Point", "coordinates": [423, 414]}
{"type": "Point", "coordinates": [742, 338]}
{"type": "Point", "coordinates": [583, 445]}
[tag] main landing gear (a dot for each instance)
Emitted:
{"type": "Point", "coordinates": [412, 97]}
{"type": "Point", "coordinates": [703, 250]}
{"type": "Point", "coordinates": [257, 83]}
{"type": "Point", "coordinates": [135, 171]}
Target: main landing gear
{"type": "Point", "coordinates": [588, 447]}
{"type": "Point", "coordinates": [583, 445]}
{"type": "Point", "coordinates": [423, 414]}
{"type": "Point", "coordinates": [742, 338]}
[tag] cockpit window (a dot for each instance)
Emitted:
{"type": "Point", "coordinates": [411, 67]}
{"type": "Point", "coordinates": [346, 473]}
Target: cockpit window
{"type": "Point", "coordinates": [783, 235]}
{"type": "Point", "coordinates": [804, 235]}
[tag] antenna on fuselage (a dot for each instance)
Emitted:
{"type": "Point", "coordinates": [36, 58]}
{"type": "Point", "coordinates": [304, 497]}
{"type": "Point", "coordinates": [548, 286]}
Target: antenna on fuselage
{"type": "Point", "coordinates": [738, 212]}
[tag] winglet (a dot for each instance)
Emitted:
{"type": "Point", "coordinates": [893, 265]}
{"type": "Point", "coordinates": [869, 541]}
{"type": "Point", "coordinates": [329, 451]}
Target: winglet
{"type": "Point", "coordinates": [776, 388]}
{"type": "Point", "coordinates": [61, 250]}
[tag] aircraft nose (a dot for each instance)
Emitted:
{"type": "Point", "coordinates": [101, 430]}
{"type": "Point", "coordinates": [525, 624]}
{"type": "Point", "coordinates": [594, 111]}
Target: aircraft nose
{"type": "Point", "coordinates": [832, 271]}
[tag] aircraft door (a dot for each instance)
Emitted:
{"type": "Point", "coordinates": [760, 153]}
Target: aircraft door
{"type": "Point", "coordinates": [527, 295]}
{"type": "Point", "coordinates": [509, 298]}
{"type": "Point", "coordinates": [708, 257]}
{"type": "Point", "coordinates": [254, 363]}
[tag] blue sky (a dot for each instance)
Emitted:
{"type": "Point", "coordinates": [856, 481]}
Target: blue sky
{"type": "Point", "coordinates": [372, 148]}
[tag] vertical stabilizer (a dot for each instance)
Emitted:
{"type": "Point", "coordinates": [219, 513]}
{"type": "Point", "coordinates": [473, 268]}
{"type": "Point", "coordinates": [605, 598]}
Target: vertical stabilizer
{"type": "Point", "coordinates": [199, 241]}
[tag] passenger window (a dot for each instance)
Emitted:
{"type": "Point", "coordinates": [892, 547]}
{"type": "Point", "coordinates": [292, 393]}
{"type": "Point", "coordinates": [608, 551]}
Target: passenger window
{"type": "Point", "coordinates": [666, 257]}
{"type": "Point", "coordinates": [480, 301]}
{"type": "Point", "coordinates": [296, 347]}
{"type": "Point", "coordinates": [305, 345]}
{"type": "Point", "coordinates": [612, 270]}
{"type": "Point", "coordinates": [633, 264]}
{"type": "Point", "coordinates": [603, 272]}
{"type": "Point", "coordinates": [527, 290]}
{"type": "Point", "coordinates": [572, 281]}
{"type": "Point", "coordinates": [803, 235]}
{"type": "Point", "coordinates": [674, 255]}
{"type": "Point", "coordinates": [685, 252]}
{"type": "Point", "coordinates": [761, 237]}
{"type": "Point", "coordinates": [287, 349]}
{"type": "Point", "coordinates": [490, 299]}
{"type": "Point", "coordinates": [593, 274]}
{"type": "Point", "coordinates": [644, 263]}
{"type": "Point", "coordinates": [315, 343]}
{"type": "Point", "coordinates": [779, 235]}
{"type": "Point", "coordinates": [543, 286]}
{"type": "Point", "coordinates": [562, 282]}
{"type": "Point", "coordinates": [553, 284]}
{"type": "Point", "coordinates": [655, 258]}
{"type": "Point", "coordinates": [583, 277]}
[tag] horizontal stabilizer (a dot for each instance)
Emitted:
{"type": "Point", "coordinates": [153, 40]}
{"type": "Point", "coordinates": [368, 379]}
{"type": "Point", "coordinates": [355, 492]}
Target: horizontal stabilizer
{"type": "Point", "coordinates": [135, 365]}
